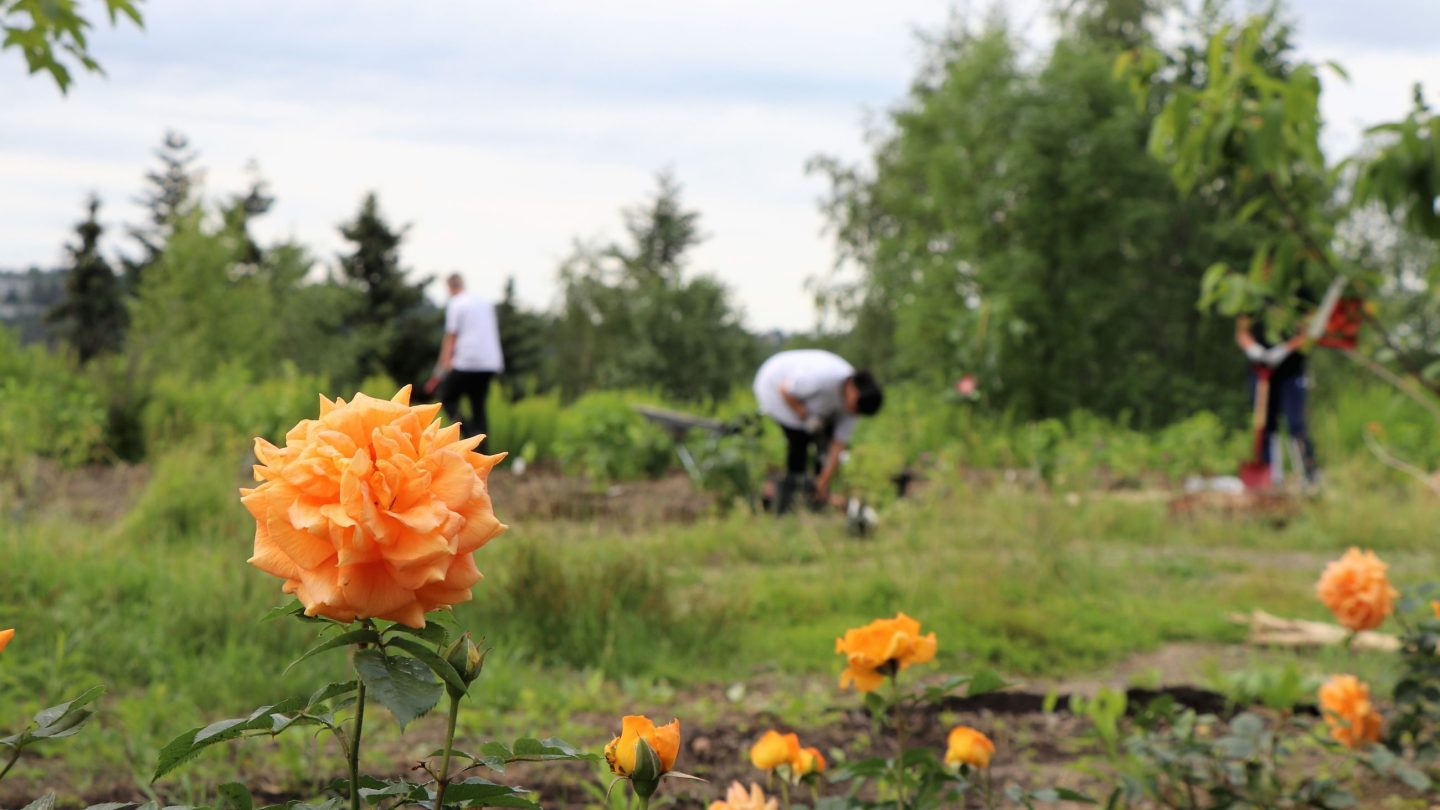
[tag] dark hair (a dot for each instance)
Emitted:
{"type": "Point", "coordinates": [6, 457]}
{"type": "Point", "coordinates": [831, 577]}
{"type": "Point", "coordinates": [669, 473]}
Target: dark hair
{"type": "Point", "coordinates": [871, 397]}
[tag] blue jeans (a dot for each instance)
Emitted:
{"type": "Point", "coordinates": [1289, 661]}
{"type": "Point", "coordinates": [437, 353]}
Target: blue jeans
{"type": "Point", "coordinates": [1287, 397]}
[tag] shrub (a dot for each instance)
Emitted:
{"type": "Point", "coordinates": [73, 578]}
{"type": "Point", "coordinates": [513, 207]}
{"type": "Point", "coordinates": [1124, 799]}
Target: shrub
{"type": "Point", "coordinates": [49, 409]}
{"type": "Point", "coordinates": [602, 436]}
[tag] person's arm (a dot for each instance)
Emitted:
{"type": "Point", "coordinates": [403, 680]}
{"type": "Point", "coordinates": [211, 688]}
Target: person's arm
{"type": "Point", "coordinates": [447, 353]}
{"type": "Point", "coordinates": [832, 461]}
{"type": "Point", "coordinates": [1247, 341]}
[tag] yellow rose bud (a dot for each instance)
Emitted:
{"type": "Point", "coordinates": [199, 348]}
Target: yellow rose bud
{"type": "Point", "coordinates": [808, 761]}
{"type": "Point", "coordinates": [774, 749]}
{"type": "Point", "coordinates": [663, 740]}
{"type": "Point", "coordinates": [968, 746]}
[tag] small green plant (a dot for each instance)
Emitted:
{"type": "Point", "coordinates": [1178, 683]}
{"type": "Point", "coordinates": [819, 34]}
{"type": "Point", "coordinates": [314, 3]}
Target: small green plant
{"type": "Point", "coordinates": [607, 440]}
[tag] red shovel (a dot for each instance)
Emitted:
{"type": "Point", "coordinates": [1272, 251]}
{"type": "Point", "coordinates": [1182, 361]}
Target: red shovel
{"type": "Point", "coordinates": [1255, 474]}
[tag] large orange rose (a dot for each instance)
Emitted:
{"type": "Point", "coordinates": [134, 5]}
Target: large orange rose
{"type": "Point", "coordinates": [373, 510]}
{"type": "Point", "coordinates": [1352, 718]}
{"type": "Point", "coordinates": [5, 636]}
{"type": "Point", "coordinates": [968, 746]}
{"type": "Point", "coordinates": [737, 798]}
{"type": "Point", "coordinates": [880, 648]}
{"type": "Point", "coordinates": [1357, 590]}
{"type": "Point", "coordinates": [664, 740]}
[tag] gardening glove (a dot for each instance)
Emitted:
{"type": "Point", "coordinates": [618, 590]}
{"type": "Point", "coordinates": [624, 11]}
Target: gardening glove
{"type": "Point", "coordinates": [1255, 352]}
{"type": "Point", "coordinates": [814, 423]}
{"type": "Point", "coordinates": [1275, 355]}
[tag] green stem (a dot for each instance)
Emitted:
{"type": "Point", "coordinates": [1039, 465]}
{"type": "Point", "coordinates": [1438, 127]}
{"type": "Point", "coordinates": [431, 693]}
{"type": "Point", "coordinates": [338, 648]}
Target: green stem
{"type": "Point", "coordinates": [355, 745]}
{"type": "Point", "coordinates": [899, 742]}
{"type": "Point", "coordinates": [785, 793]}
{"type": "Point", "coordinates": [444, 780]}
{"type": "Point", "coordinates": [13, 758]}
{"type": "Point", "coordinates": [643, 801]}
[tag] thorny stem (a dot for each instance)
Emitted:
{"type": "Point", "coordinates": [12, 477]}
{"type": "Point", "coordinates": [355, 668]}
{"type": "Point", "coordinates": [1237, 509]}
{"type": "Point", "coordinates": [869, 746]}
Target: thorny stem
{"type": "Point", "coordinates": [444, 780]}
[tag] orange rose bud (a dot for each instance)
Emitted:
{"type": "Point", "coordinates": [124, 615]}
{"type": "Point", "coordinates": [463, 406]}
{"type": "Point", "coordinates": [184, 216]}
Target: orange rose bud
{"type": "Point", "coordinates": [1352, 718]}
{"type": "Point", "coordinates": [5, 636]}
{"type": "Point", "coordinates": [737, 798]}
{"type": "Point", "coordinates": [663, 740]}
{"type": "Point", "coordinates": [774, 749]}
{"type": "Point", "coordinates": [967, 746]}
{"type": "Point", "coordinates": [373, 510]}
{"type": "Point", "coordinates": [1356, 589]}
{"type": "Point", "coordinates": [808, 761]}
{"type": "Point", "coordinates": [882, 648]}
{"type": "Point", "coordinates": [1435, 607]}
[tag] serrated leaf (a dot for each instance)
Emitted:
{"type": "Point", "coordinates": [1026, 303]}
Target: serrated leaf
{"type": "Point", "coordinates": [403, 685]}
{"type": "Point", "coordinates": [984, 681]}
{"type": "Point", "coordinates": [363, 635]}
{"type": "Point", "coordinates": [330, 691]}
{"type": "Point", "coordinates": [234, 796]}
{"type": "Point", "coordinates": [46, 717]}
{"type": "Point", "coordinates": [432, 661]}
{"type": "Point", "coordinates": [46, 802]}
{"type": "Point", "coordinates": [433, 632]}
{"type": "Point", "coordinates": [484, 793]}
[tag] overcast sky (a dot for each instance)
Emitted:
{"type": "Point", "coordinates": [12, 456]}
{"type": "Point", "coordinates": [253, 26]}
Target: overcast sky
{"type": "Point", "coordinates": [503, 131]}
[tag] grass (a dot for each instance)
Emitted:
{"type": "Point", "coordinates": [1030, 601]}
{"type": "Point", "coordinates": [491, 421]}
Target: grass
{"type": "Point", "coordinates": [591, 621]}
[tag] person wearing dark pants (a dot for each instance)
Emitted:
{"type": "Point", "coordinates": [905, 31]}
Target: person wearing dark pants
{"type": "Point", "coordinates": [473, 387]}
{"type": "Point", "coordinates": [470, 357]}
{"type": "Point", "coordinates": [1289, 390]}
{"type": "Point", "coordinates": [816, 398]}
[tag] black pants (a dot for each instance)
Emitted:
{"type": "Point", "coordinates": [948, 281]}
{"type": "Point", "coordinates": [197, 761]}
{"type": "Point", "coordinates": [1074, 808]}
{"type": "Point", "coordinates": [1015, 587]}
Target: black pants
{"type": "Point", "coordinates": [474, 386]}
{"type": "Point", "coordinates": [797, 450]}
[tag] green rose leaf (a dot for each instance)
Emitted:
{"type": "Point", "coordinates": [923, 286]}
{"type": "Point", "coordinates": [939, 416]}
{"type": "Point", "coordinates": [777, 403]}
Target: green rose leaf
{"type": "Point", "coordinates": [404, 685]}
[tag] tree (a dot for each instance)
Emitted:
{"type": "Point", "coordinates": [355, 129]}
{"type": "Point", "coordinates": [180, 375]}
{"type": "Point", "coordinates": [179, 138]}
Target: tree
{"type": "Point", "coordinates": [39, 29]}
{"type": "Point", "coordinates": [91, 317]}
{"type": "Point", "coordinates": [171, 190]}
{"type": "Point", "coordinates": [631, 316]}
{"type": "Point", "coordinates": [400, 328]}
{"type": "Point", "coordinates": [524, 340]}
{"type": "Point", "coordinates": [1011, 223]}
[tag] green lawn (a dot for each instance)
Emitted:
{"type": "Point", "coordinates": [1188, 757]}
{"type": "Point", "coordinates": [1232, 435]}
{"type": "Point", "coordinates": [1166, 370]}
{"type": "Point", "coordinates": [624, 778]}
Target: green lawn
{"type": "Point", "coordinates": [592, 621]}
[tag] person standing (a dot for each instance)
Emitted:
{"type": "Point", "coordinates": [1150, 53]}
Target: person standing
{"type": "Point", "coordinates": [816, 398]}
{"type": "Point", "coordinates": [470, 356]}
{"type": "Point", "coordinates": [1289, 387]}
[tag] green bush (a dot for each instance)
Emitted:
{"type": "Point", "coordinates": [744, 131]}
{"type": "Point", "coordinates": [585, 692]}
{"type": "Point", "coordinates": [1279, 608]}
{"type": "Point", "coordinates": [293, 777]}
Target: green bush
{"type": "Point", "coordinates": [603, 437]}
{"type": "Point", "coordinates": [49, 411]}
{"type": "Point", "coordinates": [230, 406]}
{"type": "Point", "coordinates": [192, 493]}
{"type": "Point", "coordinates": [528, 427]}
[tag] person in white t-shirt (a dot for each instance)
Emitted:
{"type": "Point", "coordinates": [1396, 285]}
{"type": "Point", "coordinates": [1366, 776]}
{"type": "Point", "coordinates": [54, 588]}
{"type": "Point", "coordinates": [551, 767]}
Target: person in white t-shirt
{"type": "Point", "coordinates": [816, 398]}
{"type": "Point", "coordinates": [470, 356]}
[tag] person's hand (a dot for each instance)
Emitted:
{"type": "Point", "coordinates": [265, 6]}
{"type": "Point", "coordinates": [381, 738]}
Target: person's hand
{"type": "Point", "coordinates": [1255, 352]}
{"type": "Point", "coordinates": [1275, 355]}
{"type": "Point", "coordinates": [432, 383]}
{"type": "Point", "coordinates": [814, 424]}
{"type": "Point", "coordinates": [822, 488]}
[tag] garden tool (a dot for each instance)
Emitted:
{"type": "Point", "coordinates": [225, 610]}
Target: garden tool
{"type": "Point", "coordinates": [1256, 472]}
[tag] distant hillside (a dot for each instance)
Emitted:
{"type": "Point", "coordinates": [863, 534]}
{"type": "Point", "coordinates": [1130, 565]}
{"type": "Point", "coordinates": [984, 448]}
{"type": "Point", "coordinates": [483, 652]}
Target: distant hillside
{"type": "Point", "coordinates": [25, 297]}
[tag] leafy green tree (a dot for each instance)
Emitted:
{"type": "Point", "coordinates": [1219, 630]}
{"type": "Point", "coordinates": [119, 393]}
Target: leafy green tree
{"type": "Point", "coordinates": [48, 31]}
{"type": "Point", "coordinates": [170, 191]}
{"type": "Point", "coordinates": [632, 316]}
{"type": "Point", "coordinates": [1011, 223]}
{"type": "Point", "coordinates": [525, 342]}
{"type": "Point", "coordinates": [91, 317]}
{"type": "Point", "coordinates": [400, 328]}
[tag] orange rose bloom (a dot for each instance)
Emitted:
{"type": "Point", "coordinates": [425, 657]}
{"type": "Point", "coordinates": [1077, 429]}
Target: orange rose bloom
{"type": "Point", "coordinates": [774, 749]}
{"type": "Point", "coordinates": [881, 648]}
{"type": "Point", "coordinates": [966, 746]}
{"type": "Point", "coordinates": [5, 636]}
{"type": "Point", "coordinates": [1345, 702]}
{"type": "Point", "coordinates": [1357, 591]}
{"type": "Point", "coordinates": [738, 799]}
{"type": "Point", "coordinates": [664, 740]}
{"type": "Point", "coordinates": [373, 510]}
{"type": "Point", "coordinates": [808, 761]}
{"type": "Point", "coordinates": [1435, 606]}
